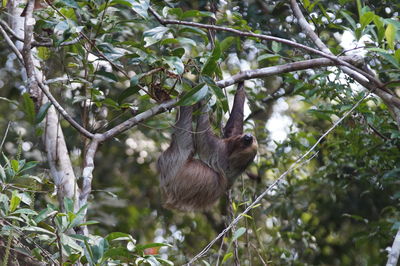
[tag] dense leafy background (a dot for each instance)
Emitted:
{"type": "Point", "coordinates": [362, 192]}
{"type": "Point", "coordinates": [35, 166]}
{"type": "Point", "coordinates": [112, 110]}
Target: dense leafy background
{"type": "Point", "coordinates": [341, 208]}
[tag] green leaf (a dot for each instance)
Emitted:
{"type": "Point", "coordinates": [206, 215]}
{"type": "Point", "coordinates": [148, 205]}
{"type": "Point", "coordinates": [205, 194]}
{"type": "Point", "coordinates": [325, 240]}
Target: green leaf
{"type": "Point", "coordinates": [154, 35]}
{"type": "Point", "coordinates": [42, 112]}
{"type": "Point", "coordinates": [380, 27]}
{"type": "Point", "coordinates": [194, 30]}
{"type": "Point", "coordinates": [267, 56]}
{"type": "Point", "coordinates": [119, 236]}
{"type": "Point", "coordinates": [108, 75]}
{"type": "Point", "coordinates": [211, 65]}
{"type": "Point", "coordinates": [196, 13]}
{"type": "Point", "coordinates": [119, 252]}
{"type": "Point", "coordinates": [238, 233]}
{"type": "Point", "coordinates": [70, 242]}
{"type": "Point", "coordinates": [43, 53]}
{"type": "Point", "coordinates": [135, 80]}
{"type": "Point", "coordinates": [276, 47]}
{"type": "Point", "coordinates": [15, 200]}
{"type": "Point", "coordinates": [194, 95]}
{"type": "Point", "coordinates": [43, 214]}
{"type": "Point", "coordinates": [226, 43]}
{"type": "Point", "coordinates": [176, 64]}
{"type": "Point", "coordinates": [15, 165]}
{"type": "Point", "coordinates": [397, 55]}
{"type": "Point", "coordinates": [68, 205]}
{"type": "Point", "coordinates": [390, 35]}
{"type": "Point", "coordinates": [141, 7]}
{"type": "Point", "coordinates": [88, 223]}
{"type": "Point", "coordinates": [391, 59]}
{"type": "Point", "coordinates": [25, 211]}
{"type": "Point", "coordinates": [70, 3]}
{"type": "Point", "coordinates": [29, 165]}
{"type": "Point", "coordinates": [128, 92]}
{"type": "Point", "coordinates": [61, 27]}
{"type": "Point", "coordinates": [122, 2]}
{"type": "Point", "coordinates": [366, 18]}
{"type": "Point", "coordinates": [179, 52]}
{"type": "Point", "coordinates": [227, 257]}
{"type": "Point", "coordinates": [218, 92]}
{"type": "Point", "coordinates": [28, 107]}
{"type": "Point", "coordinates": [349, 19]}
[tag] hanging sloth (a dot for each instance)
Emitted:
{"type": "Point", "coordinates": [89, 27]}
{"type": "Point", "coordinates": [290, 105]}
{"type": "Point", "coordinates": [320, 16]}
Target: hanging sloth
{"type": "Point", "coordinates": [191, 183]}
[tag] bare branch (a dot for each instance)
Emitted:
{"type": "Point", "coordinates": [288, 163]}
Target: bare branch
{"type": "Point", "coordinates": [55, 145]}
{"type": "Point", "coordinates": [280, 69]}
{"type": "Point", "coordinates": [11, 45]}
{"type": "Point", "coordinates": [386, 96]}
{"type": "Point", "coordinates": [245, 75]}
{"type": "Point", "coordinates": [370, 77]}
{"type": "Point", "coordinates": [137, 119]}
{"type": "Point", "coordinates": [61, 110]}
{"type": "Point", "coordinates": [87, 176]}
{"type": "Point", "coordinates": [34, 82]}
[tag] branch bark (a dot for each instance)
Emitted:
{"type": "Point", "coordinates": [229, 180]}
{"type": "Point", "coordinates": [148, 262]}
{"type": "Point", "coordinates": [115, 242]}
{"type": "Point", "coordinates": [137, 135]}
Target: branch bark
{"type": "Point", "coordinates": [377, 87]}
{"type": "Point", "coordinates": [55, 145]}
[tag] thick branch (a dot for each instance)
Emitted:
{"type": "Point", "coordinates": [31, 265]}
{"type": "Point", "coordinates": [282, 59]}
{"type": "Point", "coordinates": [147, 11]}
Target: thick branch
{"type": "Point", "coordinates": [41, 86]}
{"type": "Point", "coordinates": [386, 96]}
{"type": "Point", "coordinates": [137, 119]}
{"type": "Point", "coordinates": [56, 148]}
{"type": "Point", "coordinates": [245, 75]}
{"type": "Point", "coordinates": [87, 176]}
{"type": "Point", "coordinates": [280, 69]}
{"type": "Point", "coordinates": [370, 77]}
{"type": "Point", "coordinates": [61, 110]}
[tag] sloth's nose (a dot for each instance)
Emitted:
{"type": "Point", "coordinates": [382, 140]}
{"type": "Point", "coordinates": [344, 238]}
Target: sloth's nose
{"type": "Point", "coordinates": [248, 139]}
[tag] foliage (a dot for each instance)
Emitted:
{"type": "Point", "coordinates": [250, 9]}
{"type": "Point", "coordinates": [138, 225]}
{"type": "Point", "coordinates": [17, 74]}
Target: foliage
{"type": "Point", "coordinates": [30, 230]}
{"type": "Point", "coordinates": [340, 208]}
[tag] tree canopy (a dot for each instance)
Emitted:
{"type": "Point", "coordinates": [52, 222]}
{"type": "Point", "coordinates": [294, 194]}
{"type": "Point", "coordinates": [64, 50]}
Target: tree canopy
{"type": "Point", "coordinates": [88, 95]}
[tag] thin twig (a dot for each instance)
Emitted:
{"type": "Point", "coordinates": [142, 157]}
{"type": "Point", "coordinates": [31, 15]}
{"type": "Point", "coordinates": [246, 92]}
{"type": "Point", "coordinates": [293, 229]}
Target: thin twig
{"type": "Point", "coordinates": [11, 45]}
{"type": "Point", "coordinates": [62, 111]}
{"type": "Point", "coordinates": [5, 135]}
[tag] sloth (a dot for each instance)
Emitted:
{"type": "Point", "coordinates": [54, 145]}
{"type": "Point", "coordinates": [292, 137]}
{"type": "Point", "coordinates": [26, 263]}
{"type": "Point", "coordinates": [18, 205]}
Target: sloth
{"type": "Point", "coordinates": [199, 167]}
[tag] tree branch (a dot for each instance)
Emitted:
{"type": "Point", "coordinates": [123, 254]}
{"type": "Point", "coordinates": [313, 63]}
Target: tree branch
{"type": "Point", "coordinates": [137, 119]}
{"type": "Point", "coordinates": [368, 76]}
{"type": "Point", "coordinates": [87, 176]}
{"type": "Point", "coordinates": [55, 145]}
{"type": "Point", "coordinates": [61, 110]}
{"type": "Point", "coordinates": [386, 96]}
{"type": "Point", "coordinates": [34, 82]}
{"type": "Point", "coordinates": [245, 75]}
{"type": "Point", "coordinates": [280, 69]}
{"type": "Point", "coordinates": [35, 43]}
{"type": "Point", "coordinates": [11, 45]}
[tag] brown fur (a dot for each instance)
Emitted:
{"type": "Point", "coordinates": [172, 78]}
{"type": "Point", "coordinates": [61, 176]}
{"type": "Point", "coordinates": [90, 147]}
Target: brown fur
{"type": "Point", "coordinates": [196, 184]}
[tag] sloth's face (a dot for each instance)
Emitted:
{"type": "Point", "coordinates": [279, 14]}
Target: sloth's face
{"type": "Point", "coordinates": [241, 150]}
